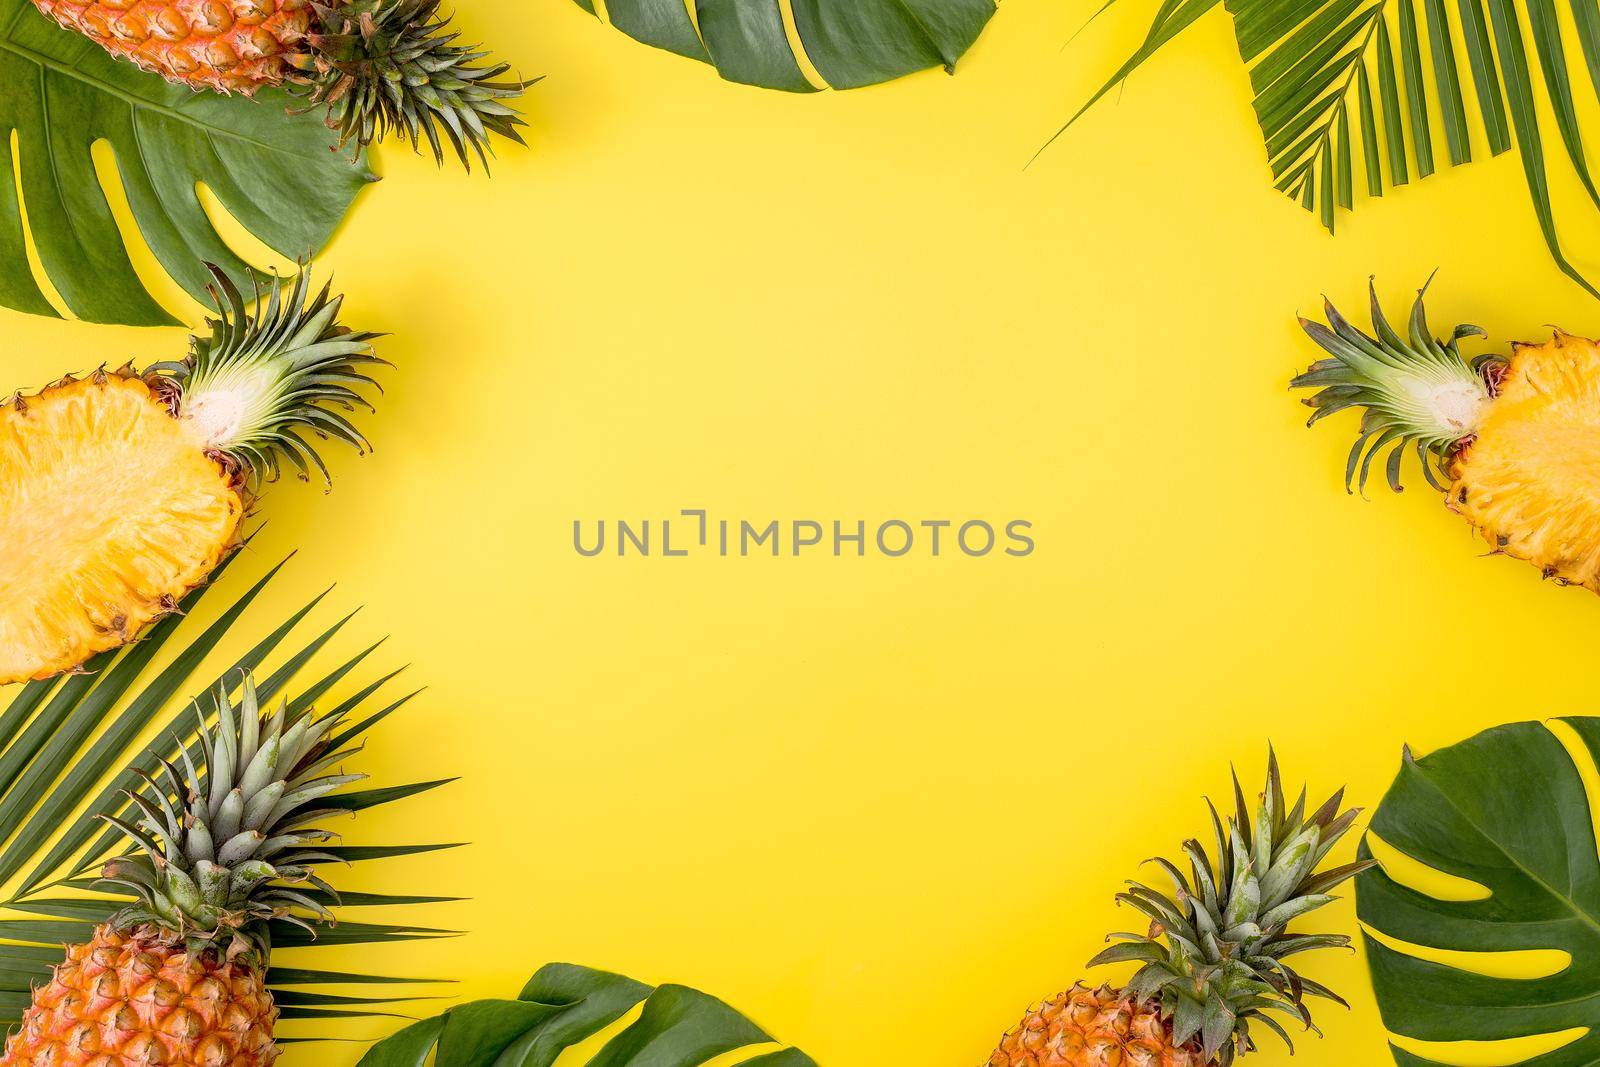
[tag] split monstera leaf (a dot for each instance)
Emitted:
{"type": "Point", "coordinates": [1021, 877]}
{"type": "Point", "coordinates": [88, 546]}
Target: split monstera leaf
{"type": "Point", "coordinates": [849, 43]}
{"type": "Point", "coordinates": [563, 1005]}
{"type": "Point", "coordinates": [276, 174]}
{"type": "Point", "coordinates": [1507, 816]}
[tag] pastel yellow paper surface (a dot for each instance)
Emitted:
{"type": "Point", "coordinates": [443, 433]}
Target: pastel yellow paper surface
{"type": "Point", "coordinates": [882, 805]}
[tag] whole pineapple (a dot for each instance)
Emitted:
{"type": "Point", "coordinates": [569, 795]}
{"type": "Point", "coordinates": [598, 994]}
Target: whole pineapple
{"type": "Point", "coordinates": [121, 491]}
{"type": "Point", "coordinates": [375, 65]}
{"type": "Point", "coordinates": [179, 977]}
{"type": "Point", "coordinates": [1212, 962]}
{"type": "Point", "coordinates": [1513, 443]}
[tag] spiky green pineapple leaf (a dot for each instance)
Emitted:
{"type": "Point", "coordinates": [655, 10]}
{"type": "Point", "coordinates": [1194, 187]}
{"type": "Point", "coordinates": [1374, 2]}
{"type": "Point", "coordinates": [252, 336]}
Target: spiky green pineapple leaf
{"type": "Point", "coordinates": [69, 748]}
{"type": "Point", "coordinates": [60, 94]}
{"type": "Point", "coordinates": [1376, 88]}
{"type": "Point", "coordinates": [1212, 958]}
{"type": "Point", "coordinates": [1509, 811]}
{"type": "Point", "coordinates": [851, 43]}
{"type": "Point", "coordinates": [563, 1005]}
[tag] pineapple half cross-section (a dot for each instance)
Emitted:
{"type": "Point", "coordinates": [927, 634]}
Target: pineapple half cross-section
{"type": "Point", "coordinates": [218, 850]}
{"type": "Point", "coordinates": [1513, 442]}
{"type": "Point", "coordinates": [1211, 967]}
{"type": "Point", "coordinates": [122, 491]}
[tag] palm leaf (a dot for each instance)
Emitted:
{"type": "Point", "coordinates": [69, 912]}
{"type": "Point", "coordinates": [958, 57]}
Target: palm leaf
{"type": "Point", "coordinates": [851, 43]}
{"type": "Point", "coordinates": [69, 754]}
{"type": "Point", "coordinates": [563, 1005]}
{"type": "Point", "coordinates": [60, 93]}
{"type": "Point", "coordinates": [1337, 81]}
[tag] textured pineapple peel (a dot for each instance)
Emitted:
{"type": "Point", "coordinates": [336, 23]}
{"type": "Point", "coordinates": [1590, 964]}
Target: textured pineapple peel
{"type": "Point", "coordinates": [110, 510]}
{"type": "Point", "coordinates": [121, 492]}
{"type": "Point", "coordinates": [1513, 443]}
{"type": "Point", "coordinates": [231, 47]}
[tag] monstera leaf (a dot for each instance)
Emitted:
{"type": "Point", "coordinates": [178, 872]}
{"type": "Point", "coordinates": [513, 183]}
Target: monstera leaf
{"type": "Point", "coordinates": [563, 1005]}
{"type": "Point", "coordinates": [851, 43]}
{"type": "Point", "coordinates": [70, 748]}
{"type": "Point", "coordinates": [1374, 93]}
{"type": "Point", "coordinates": [1506, 810]}
{"type": "Point", "coordinates": [60, 93]}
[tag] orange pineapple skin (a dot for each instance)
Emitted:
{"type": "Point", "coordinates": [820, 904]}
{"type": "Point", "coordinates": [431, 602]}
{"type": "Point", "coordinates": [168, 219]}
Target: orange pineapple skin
{"type": "Point", "coordinates": [1086, 1027]}
{"type": "Point", "coordinates": [228, 45]}
{"type": "Point", "coordinates": [135, 999]}
{"type": "Point", "coordinates": [1529, 480]}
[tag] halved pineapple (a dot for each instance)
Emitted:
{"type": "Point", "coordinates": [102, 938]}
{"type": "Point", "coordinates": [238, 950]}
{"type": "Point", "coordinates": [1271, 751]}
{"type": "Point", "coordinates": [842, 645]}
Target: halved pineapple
{"type": "Point", "coordinates": [1517, 440]}
{"type": "Point", "coordinates": [120, 492]}
{"type": "Point", "coordinates": [110, 510]}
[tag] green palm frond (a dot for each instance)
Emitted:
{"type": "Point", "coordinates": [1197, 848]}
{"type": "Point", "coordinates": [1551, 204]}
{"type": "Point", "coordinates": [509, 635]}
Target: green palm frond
{"type": "Point", "coordinates": [1374, 93]}
{"type": "Point", "coordinates": [71, 751]}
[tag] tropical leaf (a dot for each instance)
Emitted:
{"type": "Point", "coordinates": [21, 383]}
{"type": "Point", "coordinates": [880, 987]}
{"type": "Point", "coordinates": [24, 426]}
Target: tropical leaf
{"type": "Point", "coordinates": [60, 94]}
{"type": "Point", "coordinates": [1376, 88]}
{"type": "Point", "coordinates": [850, 43]}
{"type": "Point", "coordinates": [1508, 812]}
{"type": "Point", "coordinates": [563, 1005]}
{"type": "Point", "coordinates": [70, 753]}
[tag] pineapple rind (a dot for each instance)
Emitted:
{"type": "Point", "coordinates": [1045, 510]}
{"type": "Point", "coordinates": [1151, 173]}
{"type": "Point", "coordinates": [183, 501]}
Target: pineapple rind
{"type": "Point", "coordinates": [1530, 480]}
{"type": "Point", "coordinates": [110, 513]}
{"type": "Point", "coordinates": [1085, 1027]}
{"type": "Point", "coordinates": [140, 998]}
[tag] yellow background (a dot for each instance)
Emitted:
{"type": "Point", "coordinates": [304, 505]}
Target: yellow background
{"type": "Point", "coordinates": [883, 805]}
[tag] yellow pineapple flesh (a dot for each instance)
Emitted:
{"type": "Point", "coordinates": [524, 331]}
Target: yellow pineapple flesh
{"type": "Point", "coordinates": [1529, 479]}
{"type": "Point", "coordinates": [1093, 1028]}
{"type": "Point", "coordinates": [111, 510]}
{"type": "Point", "coordinates": [141, 998]}
{"type": "Point", "coordinates": [230, 45]}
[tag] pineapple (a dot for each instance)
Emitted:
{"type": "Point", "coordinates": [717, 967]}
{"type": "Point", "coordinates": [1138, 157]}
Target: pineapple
{"type": "Point", "coordinates": [178, 977]}
{"type": "Point", "coordinates": [1513, 443]}
{"type": "Point", "coordinates": [121, 491]}
{"type": "Point", "coordinates": [1212, 963]}
{"type": "Point", "coordinates": [374, 65]}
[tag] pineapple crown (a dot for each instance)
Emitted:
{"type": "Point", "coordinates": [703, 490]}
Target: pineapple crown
{"type": "Point", "coordinates": [1417, 393]}
{"type": "Point", "coordinates": [265, 377]}
{"type": "Point", "coordinates": [1213, 960]}
{"type": "Point", "coordinates": [222, 848]}
{"type": "Point", "coordinates": [382, 65]}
